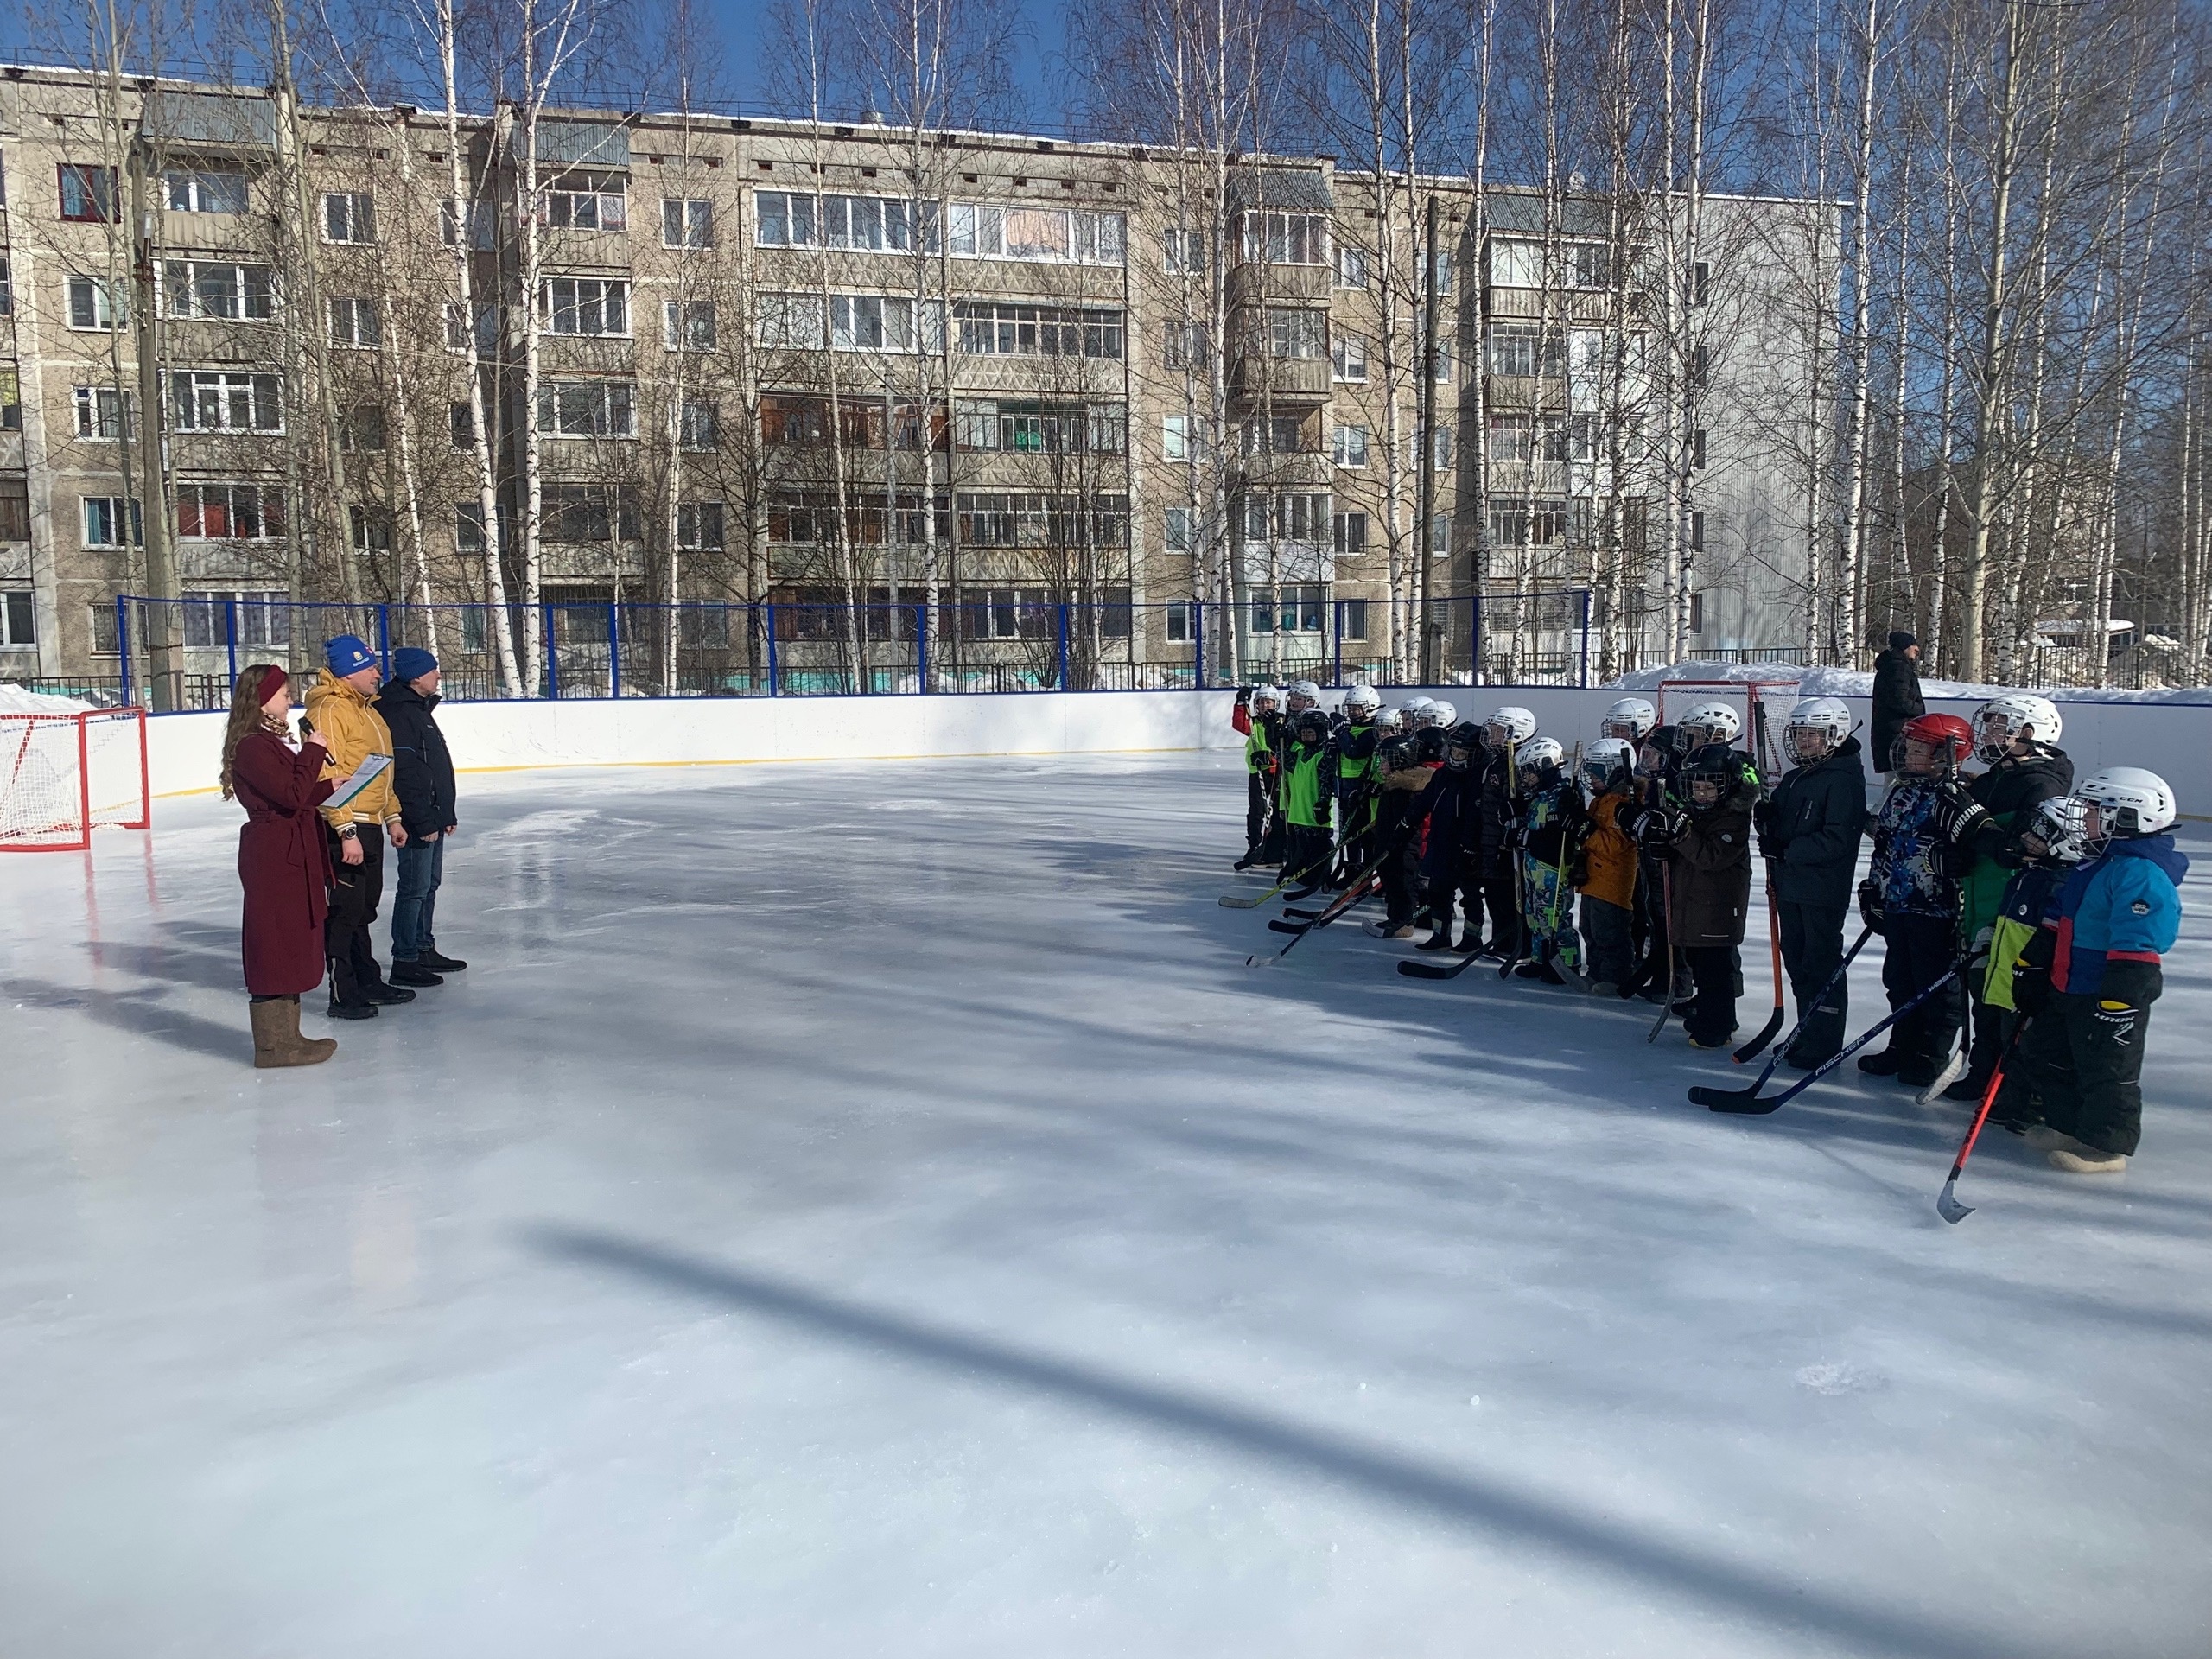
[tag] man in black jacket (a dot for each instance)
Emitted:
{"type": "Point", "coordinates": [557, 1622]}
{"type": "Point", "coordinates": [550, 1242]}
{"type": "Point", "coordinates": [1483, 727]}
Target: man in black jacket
{"type": "Point", "coordinates": [1897, 695]}
{"type": "Point", "coordinates": [1809, 833]}
{"type": "Point", "coordinates": [422, 778]}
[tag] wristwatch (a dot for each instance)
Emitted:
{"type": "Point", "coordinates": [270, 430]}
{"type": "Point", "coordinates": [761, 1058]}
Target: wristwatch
{"type": "Point", "coordinates": [348, 832]}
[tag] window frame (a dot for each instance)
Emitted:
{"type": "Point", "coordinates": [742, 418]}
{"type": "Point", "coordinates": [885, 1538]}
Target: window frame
{"type": "Point", "coordinates": [551, 415]}
{"type": "Point", "coordinates": [99, 202]}
{"type": "Point", "coordinates": [254, 383]}
{"type": "Point", "coordinates": [359, 213]}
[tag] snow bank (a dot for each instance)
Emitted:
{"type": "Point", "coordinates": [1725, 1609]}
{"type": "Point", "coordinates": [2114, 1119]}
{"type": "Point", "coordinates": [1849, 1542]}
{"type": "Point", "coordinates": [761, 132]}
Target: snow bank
{"type": "Point", "coordinates": [1859, 682]}
{"type": "Point", "coordinates": [18, 699]}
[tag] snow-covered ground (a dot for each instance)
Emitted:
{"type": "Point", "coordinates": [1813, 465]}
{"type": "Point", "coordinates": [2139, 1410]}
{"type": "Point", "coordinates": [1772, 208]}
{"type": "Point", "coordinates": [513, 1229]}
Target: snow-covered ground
{"type": "Point", "coordinates": [872, 1210]}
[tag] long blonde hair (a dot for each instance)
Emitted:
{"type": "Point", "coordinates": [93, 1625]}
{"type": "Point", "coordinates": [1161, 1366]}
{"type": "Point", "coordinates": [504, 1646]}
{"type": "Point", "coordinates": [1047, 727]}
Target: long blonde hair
{"type": "Point", "coordinates": [246, 717]}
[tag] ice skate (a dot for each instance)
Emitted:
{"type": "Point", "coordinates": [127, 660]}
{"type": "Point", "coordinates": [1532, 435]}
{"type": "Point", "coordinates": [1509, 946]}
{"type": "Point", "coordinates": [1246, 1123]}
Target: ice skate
{"type": "Point", "coordinates": [2089, 1161]}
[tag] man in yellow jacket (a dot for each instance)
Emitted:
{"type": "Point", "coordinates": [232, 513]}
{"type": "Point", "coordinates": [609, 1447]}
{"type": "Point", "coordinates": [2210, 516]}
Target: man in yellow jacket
{"type": "Point", "coordinates": [340, 709]}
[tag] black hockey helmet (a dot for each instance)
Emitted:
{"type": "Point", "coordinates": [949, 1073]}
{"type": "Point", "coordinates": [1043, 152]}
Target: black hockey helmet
{"type": "Point", "coordinates": [1311, 725]}
{"type": "Point", "coordinates": [1715, 764]}
{"type": "Point", "coordinates": [1399, 754]}
{"type": "Point", "coordinates": [1462, 744]}
{"type": "Point", "coordinates": [1656, 749]}
{"type": "Point", "coordinates": [1429, 745]}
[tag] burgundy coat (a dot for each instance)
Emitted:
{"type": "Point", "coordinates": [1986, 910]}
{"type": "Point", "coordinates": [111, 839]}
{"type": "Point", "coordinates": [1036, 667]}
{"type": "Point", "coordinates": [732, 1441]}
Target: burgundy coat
{"type": "Point", "coordinates": [282, 863]}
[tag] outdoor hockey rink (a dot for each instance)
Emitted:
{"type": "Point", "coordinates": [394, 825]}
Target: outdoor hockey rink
{"type": "Point", "coordinates": [873, 1209]}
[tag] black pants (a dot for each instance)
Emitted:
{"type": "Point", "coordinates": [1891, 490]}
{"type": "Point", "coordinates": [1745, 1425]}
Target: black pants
{"type": "Point", "coordinates": [1653, 883]}
{"type": "Point", "coordinates": [1502, 897]}
{"type": "Point", "coordinates": [1712, 1018]}
{"type": "Point", "coordinates": [1305, 854]}
{"type": "Point", "coordinates": [1460, 886]}
{"type": "Point", "coordinates": [1256, 803]}
{"type": "Point", "coordinates": [1993, 1029]}
{"type": "Point", "coordinates": [2082, 1063]}
{"type": "Point", "coordinates": [1919, 949]}
{"type": "Point", "coordinates": [355, 892]}
{"type": "Point", "coordinates": [1811, 949]}
{"type": "Point", "coordinates": [1606, 928]}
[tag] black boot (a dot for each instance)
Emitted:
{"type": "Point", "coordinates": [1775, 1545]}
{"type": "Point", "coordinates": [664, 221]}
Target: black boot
{"type": "Point", "coordinates": [414, 973]}
{"type": "Point", "coordinates": [1884, 1064]}
{"type": "Point", "coordinates": [437, 963]}
{"type": "Point", "coordinates": [347, 999]}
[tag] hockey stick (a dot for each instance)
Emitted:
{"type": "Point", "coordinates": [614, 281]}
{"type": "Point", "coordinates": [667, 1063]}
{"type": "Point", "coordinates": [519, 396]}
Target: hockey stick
{"type": "Point", "coordinates": [1299, 921]}
{"type": "Point", "coordinates": [1343, 902]}
{"type": "Point", "coordinates": [1238, 901]}
{"type": "Point", "coordinates": [1417, 969]}
{"type": "Point", "coordinates": [1953, 1069]}
{"type": "Point", "coordinates": [1834, 980]}
{"type": "Point", "coordinates": [1947, 1201]}
{"type": "Point", "coordinates": [1752, 1050]}
{"type": "Point", "coordinates": [1747, 1102]}
{"type": "Point", "coordinates": [1666, 943]}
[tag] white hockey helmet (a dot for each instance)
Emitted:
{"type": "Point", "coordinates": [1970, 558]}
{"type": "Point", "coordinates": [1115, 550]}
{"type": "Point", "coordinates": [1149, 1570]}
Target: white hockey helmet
{"type": "Point", "coordinates": [1362, 697]}
{"type": "Point", "coordinates": [1828, 715]}
{"type": "Point", "coordinates": [1308, 690]}
{"type": "Point", "coordinates": [1385, 720]}
{"type": "Point", "coordinates": [1608, 763]}
{"type": "Point", "coordinates": [1512, 724]}
{"type": "Point", "coordinates": [1630, 718]}
{"type": "Point", "coordinates": [2056, 823]}
{"type": "Point", "coordinates": [1411, 714]}
{"type": "Point", "coordinates": [2000, 720]}
{"type": "Point", "coordinates": [1536, 753]}
{"type": "Point", "coordinates": [1710, 722]}
{"type": "Point", "coordinates": [1441, 713]}
{"type": "Point", "coordinates": [2129, 801]}
{"type": "Point", "coordinates": [1267, 694]}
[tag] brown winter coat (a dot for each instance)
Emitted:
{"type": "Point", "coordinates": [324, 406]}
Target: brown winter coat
{"type": "Point", "coordinates": [282, 863]}
{"type": "Point", "coordinates": [1711, 885]}
{"type": "Point", "coordinates": [1609, 853]}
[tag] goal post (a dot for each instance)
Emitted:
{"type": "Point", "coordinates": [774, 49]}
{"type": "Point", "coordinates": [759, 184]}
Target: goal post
{"type": "Point", "coordinates": [64, 775]}
{"type": "Point", "coordinates": [1764, 706]}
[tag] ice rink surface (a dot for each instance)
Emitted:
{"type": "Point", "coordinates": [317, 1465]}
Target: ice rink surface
{"type": "Point", "coordinates": [872, 1210]}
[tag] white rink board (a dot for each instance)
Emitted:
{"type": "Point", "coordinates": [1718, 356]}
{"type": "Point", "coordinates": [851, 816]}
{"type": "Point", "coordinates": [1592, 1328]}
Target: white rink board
{"type": "Point", "coordinates": [2174, 740]}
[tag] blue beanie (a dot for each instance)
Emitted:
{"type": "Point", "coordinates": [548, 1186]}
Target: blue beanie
{"type": "Point", "coordinates": [347, 654]}
{"type": "Point", "coordinates": [411, 663]}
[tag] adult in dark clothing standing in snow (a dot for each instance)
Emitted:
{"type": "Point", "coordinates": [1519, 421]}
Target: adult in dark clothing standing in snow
{"type": "Point", "coordinates": [282, 863]}
{"type": "Point", "coordinates": [423, 780]}
{"type": "Point", "coordinates": [1809, 832]}
{"type": "Point", "coordinates": [1897, 696]}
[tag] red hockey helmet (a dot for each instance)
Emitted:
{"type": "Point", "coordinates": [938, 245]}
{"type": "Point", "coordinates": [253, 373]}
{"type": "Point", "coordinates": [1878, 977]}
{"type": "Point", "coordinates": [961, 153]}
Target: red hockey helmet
{"type": "Point", "coordinates": [1948, 734]}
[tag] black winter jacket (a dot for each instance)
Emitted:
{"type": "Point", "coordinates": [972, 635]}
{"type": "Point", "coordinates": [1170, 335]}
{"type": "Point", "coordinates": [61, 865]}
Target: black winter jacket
{"type": "Point", "coordinates": [2009, 791]}
{"type": "Point", "coordinates": [1897, 699]}
{"type": "Point", "coordinates": [1816, 817]}
{"type": "Point", "coordinates": [422, 770]}
{"type": "Point", "coordinates": [1500, 802]}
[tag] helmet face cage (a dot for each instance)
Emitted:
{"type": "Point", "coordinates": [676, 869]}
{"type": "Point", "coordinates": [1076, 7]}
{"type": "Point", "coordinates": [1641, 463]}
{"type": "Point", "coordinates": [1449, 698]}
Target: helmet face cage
{"type": "Point", "coordinates": [1362, 697]}
{"type": "Point", "coordinates": [2129, 801]}
{"type": "Point", "coordinates": [2057, 822]}
{"type": "Point", "coordinates": [1711, 722]}
{"type": "Point", "coordinates": [1314, 722]}
{"type": "Point", "coordinates": [1608, 762]}
{"type": "Point", "coordinates": [1442, 714]}
{"type": "Point", "coordinates": [2000, 720]}
{"type": "Point", "coordinates": [1630, 718]}
{"type": "Point", "coordinates": [1826, 715]}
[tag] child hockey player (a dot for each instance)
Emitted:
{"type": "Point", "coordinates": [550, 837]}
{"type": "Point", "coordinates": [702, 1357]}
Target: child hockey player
{"type": "Point", "coordinates": [1497, 862]}
{"type": "Point", "coordinates": [1309, 789]}
{"type": "Point", "coordinates": [1357, 738]}
{"type": "Point", "coordinates": [1544, 835]}
{"type": "Point", "coordinates": [1809, 834]}
{"type": "Point", "coordinates": [1452, 804]}
{"type": "Point", "coordinates": [2016, 737]}
{"type": "Point", "coordinates": [1258, 716]}
{"type": "Point", "coordinates": [2050, 846]}
{"type": "Point", "coordinates": [1605, 870]}
{"type": "Point", "coordinates": [1657, 768]}
{"type": "Point", "coordinates": [2103, 934]}
{"type": "Point", "coordinates": [1708, 848]}
{"type": "Point", "coordinates": [1911, 898]}
{"type": "Point", "coordinates": [1401, 828]}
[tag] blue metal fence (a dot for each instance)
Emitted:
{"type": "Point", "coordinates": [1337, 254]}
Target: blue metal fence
{"type": "Point", "coordinates": [980, 641]}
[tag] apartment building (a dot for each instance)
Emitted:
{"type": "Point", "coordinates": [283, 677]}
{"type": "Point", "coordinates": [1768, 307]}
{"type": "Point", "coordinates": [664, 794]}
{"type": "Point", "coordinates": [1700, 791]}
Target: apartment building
{"type": "Point", "coordinates": [995, 407]}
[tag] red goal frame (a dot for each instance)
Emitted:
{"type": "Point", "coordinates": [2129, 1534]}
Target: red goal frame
{"type": "Point", "coordinates": [1772, 762]}
{"type": "Point", "coordinates": [17, 731]}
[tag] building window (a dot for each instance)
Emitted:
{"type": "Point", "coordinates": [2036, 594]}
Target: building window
{"type": "Point", "coordinates": [106, 412]}
{"type": "Point", "coordinates": [699, 425]}
{"type": "Point", "coordinates": [590, 513]}
{"type": "Point", "coordinates": [230, 512]}
{"type": "Point", "coordinates": [699, 526]}
{"type": "Point", "coordinates": [996, 329]}
{"type": "Point", "coordinates": [687, 223]}
{"type": "Point", "coordinates": [1177, 532]}
{"type": "Point", "coordinates": [105, 521]}
{"type": "Point", "coordinates": [1517, 349]}
{"type": "Point", "coordinates": [92, 304]}
{"type": "Point", "coordinates": [1286, 239]}
{"type": "Point", "coordinates": [1301, 607]}
{"type": "Point", "coordinates": [1439, 534]}
{"type": "Point", "coordinates": [1176, 432]}
{"type": "Point", "coordinates": [7, 291]}
{"type": "Point", "coordinates": [1018, 427]}
{"type": "Point", "coordinates": [87, 193]}
{"type": "Point", "coordinates": [688, 325]}
{"type": "Point", "coordinates": [1697, 447]}
{"type": "Point", "coordinates": [1186, 345]}
{"type": "Point", "coordinates": [362, 429]}
{"type": "Point", "coordinates": [1441, 270]}
{"type": "Point", "coordinates": [349, 216]}
{"type": "Point", "coordinates": [598, 306]}
{"type": "Point", "coordinates": [221, 401]}
{"type": "Point", "coordinates": [1183, 252]}
{"type": "Point", "coordinates": [205, 189]}
{"type": "Point", "coordinates": [1348, 533]}
{"type": "Point", "coordinates": [460, 425]}
{"type": "Point", "coordinates": [857, 322]}
{"type": "Point", "coordinates": [15, 511]}
{"type": "Point", "coordinates": [1442, 451]}
{"type": "Point", "coordinates": [1348, 446]}
{"type": "Point", "coordinates": [1697, 533]}
{"type": "Point", "coordinates": [1289, 518]}
{"type": "Point", "coordinates": [1352, 267]}
{"type": "Point", "coordinates": [1352, 619]}
{"type": "Point", "coordinates": [1298, 334]}
{"type": "Point", "coordinates": [1348, 358]}
{"type": "Point", "coordinates": [478, 215]}
{"type": "Point", "coordinates": [487, 327]}
{"type": "Point", "coordinates": [587, 204]}
{"type": "Point", "coordinates": [1048, 235]}
{"type": "Point", "coordinates": [1443, 361]}
{"type": "Point", "coordinates": [218, 289]}
{"type": "Point", "coordinates": [868, 223]}
{"type": "Point", "coordinates": [259, 619]}
{"type": "Point", "coordinates": [1278, 434]}
{"type": "Point", "coordinates": [18, 618]}
{"type": "Point", "coordinates": [1181, 621]}
{"type": "Point", "coordinates": [1697, 613]}
{"type": "Point", "coordinates": [1006, 519]}
{"type": "Point", "coordinates": [1701, 283]}
{"type": "Point", "coordinates": [587, 409]}
{"type": "Point", "coordinates": [372, 530]}
{"type": "Point", "coordinates": [354, 323]}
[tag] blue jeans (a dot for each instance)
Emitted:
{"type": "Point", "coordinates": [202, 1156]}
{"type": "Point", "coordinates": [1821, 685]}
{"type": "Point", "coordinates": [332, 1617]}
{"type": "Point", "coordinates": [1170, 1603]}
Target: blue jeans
{"type": "Point", "coordinates": [422, 864]}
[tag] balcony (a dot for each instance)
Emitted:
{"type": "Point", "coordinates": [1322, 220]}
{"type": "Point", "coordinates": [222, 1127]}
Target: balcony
{"type": "Point", "coordinates": [1281, 379]}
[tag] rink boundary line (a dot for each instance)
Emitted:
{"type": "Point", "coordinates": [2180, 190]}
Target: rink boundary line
{"type": "Point", "coordinates": [769, 761]}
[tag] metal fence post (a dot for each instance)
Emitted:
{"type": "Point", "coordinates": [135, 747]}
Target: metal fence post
{"type": "Point", "coordinates": [772, 648]}
{"type": "Point", "coordinates": [1063, 608]}
{"type": "Point", "coordinates": [552, 654]}
{"type": "Point", "coordinates": [123, 643]}
{"type": "Point", "coordinates": [614, 650]}
{"type": "Point", "coordinates": [1198, 644]}
{"type": "Point", "coordinates": [1475, 640]}
{"type": "Point", "coordinates": [383, 637]}
{"type": "Point", "coordinates": [922, 647]}
{"type": "Point", "coordinates": [231, 635]}
{"type": "Point", "coordinates": [1586, 638]}
{"type": "Point", "coordinates": [1336, 643]}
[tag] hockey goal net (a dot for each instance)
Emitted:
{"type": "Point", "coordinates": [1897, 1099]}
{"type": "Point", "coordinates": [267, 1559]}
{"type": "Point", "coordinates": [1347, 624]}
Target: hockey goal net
{"type": "Point", "coordinates": [63, 775]}
{"type": "Point", "coordinates": [1762, 706]}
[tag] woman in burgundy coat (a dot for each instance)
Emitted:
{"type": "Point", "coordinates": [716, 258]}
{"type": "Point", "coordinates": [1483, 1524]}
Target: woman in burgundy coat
{"type": "Point", "coordinates": [282, 863]}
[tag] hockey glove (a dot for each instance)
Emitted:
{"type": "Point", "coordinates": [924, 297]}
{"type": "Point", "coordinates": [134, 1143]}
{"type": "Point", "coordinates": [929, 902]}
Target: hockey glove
{"type": "Point", "coordinates": [1958, 815]}
{"type": "Point", "coordinates": [1870, 904]}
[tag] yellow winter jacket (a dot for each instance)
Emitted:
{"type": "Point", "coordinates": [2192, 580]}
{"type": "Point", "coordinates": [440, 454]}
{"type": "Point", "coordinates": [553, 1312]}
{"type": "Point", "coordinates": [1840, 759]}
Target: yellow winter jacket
{"type": "Point", "coordinates": [351, 730]}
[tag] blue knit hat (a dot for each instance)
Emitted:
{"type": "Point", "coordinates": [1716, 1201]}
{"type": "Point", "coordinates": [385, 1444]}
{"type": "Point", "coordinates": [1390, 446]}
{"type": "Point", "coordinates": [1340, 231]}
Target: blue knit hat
{"type": "Point", "coordinates": [347, 654]}
{"type": "Point", "coordinates": [411, 663]}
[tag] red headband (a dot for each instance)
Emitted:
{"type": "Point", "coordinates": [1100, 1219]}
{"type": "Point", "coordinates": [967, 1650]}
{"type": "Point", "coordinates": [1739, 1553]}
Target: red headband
{"type": "Point", "coordinates": [271, 683]}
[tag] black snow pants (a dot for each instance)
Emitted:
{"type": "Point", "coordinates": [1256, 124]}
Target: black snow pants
{"type": "Point", "coordinates": [1920, 949]}
{"type": "Point", "coordinates": [1257, 801]}
{"type": "Point", "coordinates": [2079, 1068]}
{"type": "Point", "coordinates": [355, 892]}
{"type": "Point", "coordinates": [1812, 948]}
{"type": "Point", "coordinates": [1712, 1019]}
